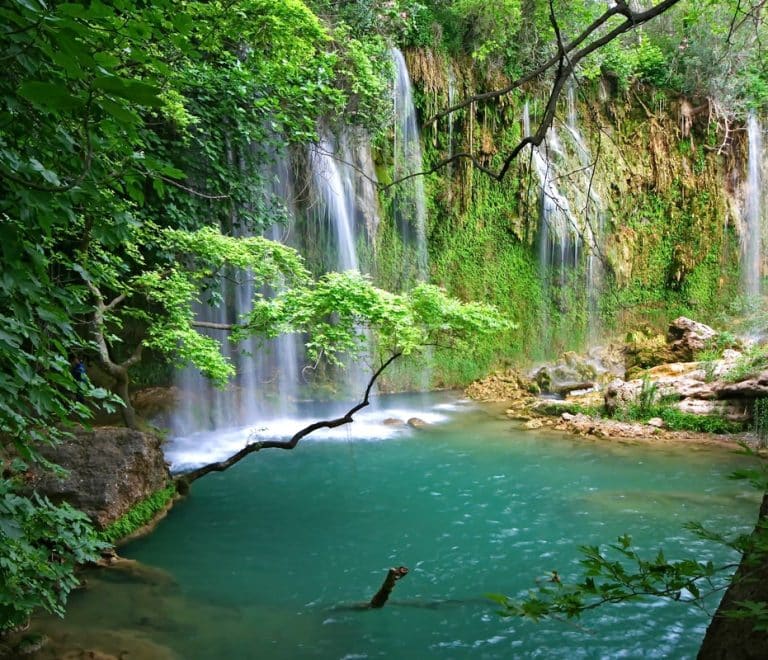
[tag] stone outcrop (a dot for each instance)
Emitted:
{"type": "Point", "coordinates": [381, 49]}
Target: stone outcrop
{"type": "Point", "coordinates": [507, 386]}
{"type": "Point", "coordinates": [686, 338]}
{"type": "Point", "coordinates": [573, 372]}
{"type": "Point", "coordinates": [109, 470]}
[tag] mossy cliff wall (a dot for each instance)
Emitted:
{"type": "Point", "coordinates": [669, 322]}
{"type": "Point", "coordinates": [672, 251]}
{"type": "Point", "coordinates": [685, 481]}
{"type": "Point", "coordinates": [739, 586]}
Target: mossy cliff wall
{"type": "Point", "coordinates": [664, 211]}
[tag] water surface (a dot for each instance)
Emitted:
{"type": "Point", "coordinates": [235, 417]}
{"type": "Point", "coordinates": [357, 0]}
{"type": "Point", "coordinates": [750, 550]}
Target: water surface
{"type": "Point", "coordinates": [265, 560]}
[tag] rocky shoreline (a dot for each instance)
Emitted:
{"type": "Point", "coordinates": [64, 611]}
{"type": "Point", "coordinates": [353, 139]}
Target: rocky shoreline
{"type": "Point", "coordinates": [604, 393]}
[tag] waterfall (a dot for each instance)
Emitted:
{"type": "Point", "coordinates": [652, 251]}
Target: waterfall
{"type": "Point", "coordinates": [266, 385]}
{"type": "Point", "coordinates": [344, 181]}
{"type": "Point", "coordinates": [594, 216]}
{"type": "Point", "coordinates": [751, 239]}
{"type": "Point", "coordinates": [409, 204]}
{"type": "Point", "coordinates": [334, 185]}
{"type": "Point", "coordinates": [558, 235]}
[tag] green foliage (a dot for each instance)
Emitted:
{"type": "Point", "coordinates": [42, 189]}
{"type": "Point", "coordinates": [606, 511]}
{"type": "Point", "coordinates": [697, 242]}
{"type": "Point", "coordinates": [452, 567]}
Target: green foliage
{"type": "Point", "coordinates": [617, 574]}
{"type": "Point", "coordinates": [40, 544]}
{"type": "Point", "coordinates": [141, 514]}
{"type": "Point", "coordinates": [677, 420]}
{"type": "Point", "coordinates": [338, 310]}
{"type": "Point", "coordinates": [752, 361]}
{"type": "Point", "coordinates": [760, 420]}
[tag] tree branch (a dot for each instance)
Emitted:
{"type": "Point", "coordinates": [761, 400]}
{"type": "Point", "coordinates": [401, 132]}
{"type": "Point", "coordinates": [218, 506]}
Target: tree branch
{"type": "Point", "coordinates": [346, 418]}
{"type": "Point", "coordinates": [566, 58]}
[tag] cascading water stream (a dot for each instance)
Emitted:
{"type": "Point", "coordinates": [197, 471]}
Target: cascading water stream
{"type": "Point", "coordinates": [345, 186]}
{"type": "Point", "coordinates": [559, 239]}
{"type": "Point", "coordinates": [334, 185]}
{"type": "Point", "coordinates": [594, 217]}
{"type": "Point", "coordinates": [267, 372]}
{"type": "Point", "coordinates": [410, 204]}
{"type": "Point", "coordinates": [751, 240]}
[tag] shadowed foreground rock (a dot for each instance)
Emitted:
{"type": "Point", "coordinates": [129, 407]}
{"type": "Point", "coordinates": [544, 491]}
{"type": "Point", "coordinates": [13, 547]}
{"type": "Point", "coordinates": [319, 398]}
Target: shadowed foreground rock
{"type": "Point", "coordinates": [110, 469]}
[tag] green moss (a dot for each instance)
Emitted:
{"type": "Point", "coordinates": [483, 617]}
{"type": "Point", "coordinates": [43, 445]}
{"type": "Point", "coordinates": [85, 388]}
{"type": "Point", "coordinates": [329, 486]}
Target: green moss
{"type": "Point", "coordinates": [141, 514]}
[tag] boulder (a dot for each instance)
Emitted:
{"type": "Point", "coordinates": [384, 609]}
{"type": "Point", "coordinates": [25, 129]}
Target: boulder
{"type": "Point", "coordinates": [619, 394]}
{"type": "Point", "coordinates": [417, 423]}
{"type": "Point", "coordinates": [393, 421]}
{"type": "Point", "coordinates": [687, 337]}
{"type": "Point", "coordinates": [109, 470]}
{"type": "Point", "coordinates": [643, 350]}
{"type": "Point", "coordinates": [507, 386]}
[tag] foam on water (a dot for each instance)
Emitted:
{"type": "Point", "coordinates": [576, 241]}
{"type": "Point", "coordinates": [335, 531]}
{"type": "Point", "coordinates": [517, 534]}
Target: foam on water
{"type": "Point", "coordinates": [191, 451]}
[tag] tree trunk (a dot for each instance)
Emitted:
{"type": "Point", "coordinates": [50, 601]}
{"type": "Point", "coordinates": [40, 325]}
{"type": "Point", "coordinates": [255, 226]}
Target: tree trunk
{"type": "Point", "coordinates": [726, 637]}
{"type": "Point", "coordinates": [121, 389]}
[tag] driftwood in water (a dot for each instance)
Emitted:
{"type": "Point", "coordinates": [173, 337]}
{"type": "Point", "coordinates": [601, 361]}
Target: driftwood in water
{"type": "Point", "coordinates": [381, 596]}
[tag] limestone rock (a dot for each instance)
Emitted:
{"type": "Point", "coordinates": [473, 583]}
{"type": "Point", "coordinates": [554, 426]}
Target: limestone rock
{"type": "Point", "coordinates": [533, 424]}
{"type": "Point", "coordinates": [109, 469]}
{"type": "Point", "coordinates": [750, 388]}
{"type": "Point", "coordinates": [619, 394]}
{"type": "Point", "coordinates": [657, 422]}
{"type": "Point", "coordinates": [734, 411]}
{"type": "Point", "coordinates": [393, 421]}
{"type": "Point", "coordinates": [417, 423]}
{"type": "Point", "coordinates": [686, 337]}
{"type": "Point", "coordinates": [507, 386]}
{"type": "Point", "coordinates": [643, 350]}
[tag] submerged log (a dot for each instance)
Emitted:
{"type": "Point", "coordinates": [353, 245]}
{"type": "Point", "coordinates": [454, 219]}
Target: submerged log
{"type": "Point", "coordinates": [382, 595]}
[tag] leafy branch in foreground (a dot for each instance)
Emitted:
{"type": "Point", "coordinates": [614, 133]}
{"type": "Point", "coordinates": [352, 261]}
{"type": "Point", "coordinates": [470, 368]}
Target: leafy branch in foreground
{"type": "Point", "coordinates": [619, 574]}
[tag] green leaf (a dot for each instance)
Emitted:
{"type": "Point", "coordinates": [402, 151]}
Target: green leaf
{"type": "Point", "coordinates": [50, 96]}
{"type": "Point", "coordinates": [131, 90]}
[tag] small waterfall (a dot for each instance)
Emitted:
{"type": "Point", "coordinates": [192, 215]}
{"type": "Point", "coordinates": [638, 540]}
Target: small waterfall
{"type": "Point", "coordinates": [594, 216]}
{"type": "Point", "coordinates": [266, 385]}
{"type": "Point", "coordinates": [344, 178]}
{"type": "Point", "coordinates": [334, 184]}
{"type": "Point", "coordinates": [751, 239]}
{"type": "Point", "coordinates": [410, 206]}
{"type": "Point", "coordinates": [559, 238]}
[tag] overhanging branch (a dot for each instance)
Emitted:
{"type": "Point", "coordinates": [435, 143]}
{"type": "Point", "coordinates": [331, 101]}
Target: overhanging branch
{"type": "Point", "coordinates": [346, 418]}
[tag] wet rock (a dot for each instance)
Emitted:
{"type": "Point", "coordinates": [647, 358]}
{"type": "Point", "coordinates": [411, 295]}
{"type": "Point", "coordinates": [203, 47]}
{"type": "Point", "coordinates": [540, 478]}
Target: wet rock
{"type": "Point", "coordinates": [533, 424]}
{"type": "Point", "coordinates": [109, 470]}
{"type": "Point", "coordinates": [393, 421]}
{"type": "Point", "coordinates": [732, 410]}
{"type": "Point", "coordinates": [417, 423]}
